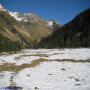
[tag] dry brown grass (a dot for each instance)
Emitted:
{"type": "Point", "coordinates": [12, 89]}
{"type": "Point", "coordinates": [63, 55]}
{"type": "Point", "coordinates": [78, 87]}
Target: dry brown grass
{"type": "Point", "coordinates": [15, 68]}
{"type": "Point", "coordinates": [72, 60]}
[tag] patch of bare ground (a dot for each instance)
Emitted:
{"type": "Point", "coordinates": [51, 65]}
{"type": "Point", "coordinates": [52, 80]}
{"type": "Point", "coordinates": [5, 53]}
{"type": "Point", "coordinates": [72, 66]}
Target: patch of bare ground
{"type": "Point", "coordinates": [15, 68]}
{"type": "Point", "coordinates": [72, 60]}
{"type": "Point", "coordinates": [9, 53]}
{"type": "Point", "coordinates": [34, 63]}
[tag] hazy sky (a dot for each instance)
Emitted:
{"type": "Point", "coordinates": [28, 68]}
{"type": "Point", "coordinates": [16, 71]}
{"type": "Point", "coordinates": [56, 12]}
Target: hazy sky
{"type": "Point", "coordinates": [60, 10]}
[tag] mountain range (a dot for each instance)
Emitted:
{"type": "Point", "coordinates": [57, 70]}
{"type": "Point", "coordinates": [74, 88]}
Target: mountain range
{"type": "Point", "coordinates": [27, 30]}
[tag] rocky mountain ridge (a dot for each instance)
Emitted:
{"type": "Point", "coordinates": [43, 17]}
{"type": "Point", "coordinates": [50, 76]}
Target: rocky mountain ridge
{"type": "Point", "coordinates": [19, 31]}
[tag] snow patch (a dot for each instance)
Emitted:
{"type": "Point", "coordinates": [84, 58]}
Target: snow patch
{"type": "Point", "coordinates": [52, 75]}
{"type": "Point", "coordinates": [50, 23]}
{"type": "Point", "coordinates": [15, 15]}
{"type": "Point", "coordinates": [28, 55]}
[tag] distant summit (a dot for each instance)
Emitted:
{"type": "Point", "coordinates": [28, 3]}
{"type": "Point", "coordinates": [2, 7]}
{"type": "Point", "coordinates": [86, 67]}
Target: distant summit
{"type": "Point", "coordinates": [53, 24]}
{"type": "Point", "coordinates": [1, 7]}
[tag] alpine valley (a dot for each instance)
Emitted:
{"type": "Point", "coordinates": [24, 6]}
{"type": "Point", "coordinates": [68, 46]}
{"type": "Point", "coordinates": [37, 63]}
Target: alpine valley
{"type": "Point", "coordinates": [27, 30]}
{"type": "Point", "coordinates": [38, 54]}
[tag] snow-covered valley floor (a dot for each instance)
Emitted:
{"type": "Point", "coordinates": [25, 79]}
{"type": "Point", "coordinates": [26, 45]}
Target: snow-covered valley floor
{"type": "Point", "coordinates": [46, 69]}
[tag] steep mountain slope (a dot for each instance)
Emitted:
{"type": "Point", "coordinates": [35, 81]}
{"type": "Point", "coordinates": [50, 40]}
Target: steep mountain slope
{"type": "Point", "coordinates": [73, 34]}
{"type": "Point", "coordinates": [8, 39]}
{"type": "Point", "coordinates": [19, 31]}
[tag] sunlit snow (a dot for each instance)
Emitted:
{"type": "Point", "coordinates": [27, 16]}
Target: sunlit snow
{"type": "Point", "coordinates": [61, 69]}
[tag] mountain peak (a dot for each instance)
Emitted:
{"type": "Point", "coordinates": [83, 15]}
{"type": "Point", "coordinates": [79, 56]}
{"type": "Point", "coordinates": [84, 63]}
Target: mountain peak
{"type": "Point", "coordinates": [2, 8]}
{"type": "Point", "coordinates": [53, 24]}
